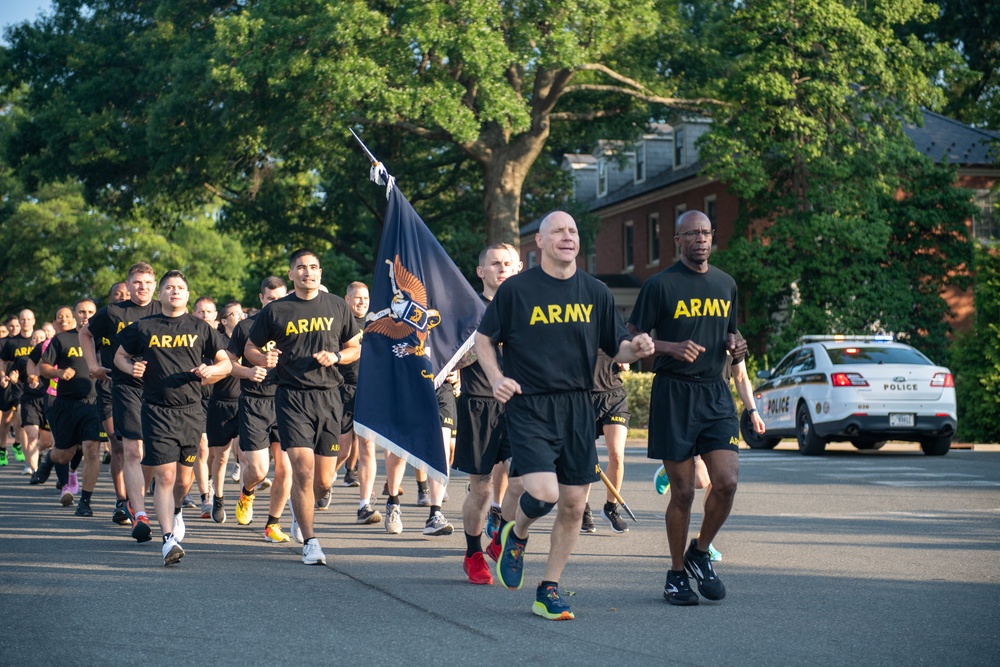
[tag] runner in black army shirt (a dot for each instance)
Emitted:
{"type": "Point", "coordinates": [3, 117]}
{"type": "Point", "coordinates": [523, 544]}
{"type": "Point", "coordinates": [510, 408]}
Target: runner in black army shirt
{"type": "Point", "coordinates": [126, 391]}
{"type": "Point", "coordinates": [222, 423]}
{"type": "Point", "coordinates": [171, 347]}
{"type": "Point", "coordinates": [611, 410]}
{"type": "Point", "coordinates": [551, 321]}
{"type": "Point", "coordinates": [313, 331]}
{"type": "Point", "coordinates": [692, 307]}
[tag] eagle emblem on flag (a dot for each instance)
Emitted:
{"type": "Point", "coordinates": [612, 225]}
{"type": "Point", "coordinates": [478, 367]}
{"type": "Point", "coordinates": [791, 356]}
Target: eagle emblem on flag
{"type": "Point", "coordinates": [407, 315]}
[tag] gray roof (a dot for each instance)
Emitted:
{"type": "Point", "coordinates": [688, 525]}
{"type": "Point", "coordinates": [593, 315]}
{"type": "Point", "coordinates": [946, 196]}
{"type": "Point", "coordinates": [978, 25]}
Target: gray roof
{"type": "Point", "coordinates": [942, 138]}
{"type": "Point", "coordinates": [660, 180]}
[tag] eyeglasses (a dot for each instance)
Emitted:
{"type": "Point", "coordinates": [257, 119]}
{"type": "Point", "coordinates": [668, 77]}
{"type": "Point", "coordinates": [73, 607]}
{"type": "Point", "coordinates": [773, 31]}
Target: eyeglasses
{"type": "Point", "coordinates": [695, 233]}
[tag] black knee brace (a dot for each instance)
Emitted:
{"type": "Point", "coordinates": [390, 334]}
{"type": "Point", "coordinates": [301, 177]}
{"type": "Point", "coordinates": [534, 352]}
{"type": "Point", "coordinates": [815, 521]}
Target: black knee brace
{"type": "Point", "coordinates": [534, 508]}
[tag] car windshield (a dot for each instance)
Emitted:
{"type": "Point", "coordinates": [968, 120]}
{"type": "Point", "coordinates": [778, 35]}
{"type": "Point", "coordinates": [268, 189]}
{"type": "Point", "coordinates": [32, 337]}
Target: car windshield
{"type": "Point", "coordinates": [876, 355]}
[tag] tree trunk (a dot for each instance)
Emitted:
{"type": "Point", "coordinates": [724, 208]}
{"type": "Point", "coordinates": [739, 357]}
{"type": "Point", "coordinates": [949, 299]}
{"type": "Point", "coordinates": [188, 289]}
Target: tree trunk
{"type": "Point", "coordinates": [504, 173]}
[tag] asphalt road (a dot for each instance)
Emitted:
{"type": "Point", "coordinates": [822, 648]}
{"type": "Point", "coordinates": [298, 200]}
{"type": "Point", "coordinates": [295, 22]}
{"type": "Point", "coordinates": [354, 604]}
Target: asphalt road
{"type": "Point", "coordinates": [875, 558]}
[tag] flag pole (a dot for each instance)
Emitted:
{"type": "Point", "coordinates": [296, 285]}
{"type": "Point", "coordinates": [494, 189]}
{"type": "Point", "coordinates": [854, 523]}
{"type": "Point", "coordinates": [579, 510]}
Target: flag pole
{"type": "Point", "coordinates": [621, 501]}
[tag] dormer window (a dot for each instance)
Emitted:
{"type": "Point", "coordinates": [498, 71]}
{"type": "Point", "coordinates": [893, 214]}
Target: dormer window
{"type": "Point", "coordinates": [602, 177]}
{"type": "Point", "coordinates": [678, 148]}
{"type": "Point", "coordinates": [640, 162]}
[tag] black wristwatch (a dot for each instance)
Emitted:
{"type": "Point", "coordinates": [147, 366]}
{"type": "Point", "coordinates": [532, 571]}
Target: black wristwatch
{"type": "Point", "coordinates": [751, 411]}
{"type": "Point", "coordinates": [338, 357]}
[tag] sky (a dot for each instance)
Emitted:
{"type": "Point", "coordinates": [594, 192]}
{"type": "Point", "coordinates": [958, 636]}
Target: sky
{"type": "Point", "coordinates": [18, 11]}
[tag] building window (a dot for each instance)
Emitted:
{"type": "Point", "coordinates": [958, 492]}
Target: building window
{"type": "Point", "coordinates": [628, 243]}
{"type": "Point", "coordinates": [640, 162]}
{"type": "Point", "coordinates": [985, 226]}
{"type": "Point", "coordinates": [678, 211]}
{"type": "Point", "coordinates": [710, 209]}
{"type": "Point", "coordinates": [531, 258]}
{"type": "Point", "coordinates": [678, 148]}
{"type": "Point", "coordinates": [602, 177]}
{"type": "Point", "coordinates": [653, 234]}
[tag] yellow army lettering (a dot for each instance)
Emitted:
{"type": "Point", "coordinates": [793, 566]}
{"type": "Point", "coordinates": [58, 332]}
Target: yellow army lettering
{"type": "Point", "coordinates": [702, 308]}
{"type": "Point", "coordinates": [22, 351]}
{"type": "Point", "coordinates": [306, 326]}
{"type": "Point", "coordinates": [122, 325]}
{"type": "Point", "coordinates": [189, 459]}
{"type": "Point", "coordinates": [166, 340]}
{"type": "Point", "coordinates": [571, 312]}
{"type": "Point", "coordinates": [734, 441]}
{"type": "Point", "coordinates": [74, 352]}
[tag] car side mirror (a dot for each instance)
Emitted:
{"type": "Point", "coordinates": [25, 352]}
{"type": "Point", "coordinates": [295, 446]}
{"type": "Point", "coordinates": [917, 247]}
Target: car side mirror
{"type": "Point", "coordinates": [764, 375]}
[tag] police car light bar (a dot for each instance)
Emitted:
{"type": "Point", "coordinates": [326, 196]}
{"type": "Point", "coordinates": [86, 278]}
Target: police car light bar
{"type": "Point", "coordinates": [878, 338]}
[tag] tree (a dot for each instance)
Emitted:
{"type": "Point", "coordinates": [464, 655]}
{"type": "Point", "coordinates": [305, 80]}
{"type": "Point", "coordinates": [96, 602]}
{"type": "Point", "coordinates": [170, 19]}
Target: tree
{"type": "Point", "coordinates": [813, 145]}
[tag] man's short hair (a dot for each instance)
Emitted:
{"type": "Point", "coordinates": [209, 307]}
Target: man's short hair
{"type": "Point", "coordinates": [272, 283]}
{"type": "Point", "coordinates": [142, 267]}
{"type": "Point", "coordinates": [114, 287]}
{"type": "Point", "coordinates": [58, 308]}
{"type": "Point", "coordinates": [83, 300]}
{"type": "Point", "coordinates": [203, 299]}
{"type": "Point", "coordinates": [174, 273]}
{"type": "Point", "coordinates": [301, 252]}
{"type": "Point", "coordinates": [355, 286]}
{"type": "Point", "coordinates": [496, 246]}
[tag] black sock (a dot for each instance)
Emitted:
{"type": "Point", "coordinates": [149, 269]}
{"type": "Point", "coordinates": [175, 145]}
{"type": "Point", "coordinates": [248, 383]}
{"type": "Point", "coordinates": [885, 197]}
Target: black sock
{"type": "Point", "coordinates": [473, 544]}
{"type": "Point", "coordinates": [272, 520]}
{"type": "Point", "coordinates": [204, 497]}
{"type": "Point", "coordinates": [393, 500]}
{"type": "Point", "coordinates": [85, 496]}
{"type": "Point", "coordinates": [177, 510]}
{"type": "Point", "coordinates": [422, 486]}
{"type": "Point", "coordinates": [548, 583]}
{"type": "Point", "coordinates": [609, 507]}
{"type": "Point", "coordinates": [62, 473]}
{"type": "Point", "coordinates": [75, 463]}
{"type": "Point", "coordinates": [167, 536]}
{"type": "Point", "coordinates": [248, 493]}
{"type": "Point", "coordinates": [434, 508]}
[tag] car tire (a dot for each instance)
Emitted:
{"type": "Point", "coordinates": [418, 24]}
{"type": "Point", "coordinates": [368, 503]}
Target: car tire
{"type": "Point", "coordinates": [750, 436]}
{"type": "Point", "coordinates": [810, 444]}
{"type": "Point", "coordinates": [938, 446]}
{"type": "Point", "coordinates": [868, 443]}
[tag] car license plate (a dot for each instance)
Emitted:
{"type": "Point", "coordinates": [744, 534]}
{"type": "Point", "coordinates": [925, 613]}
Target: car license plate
{"type": "Point", "coordinates": [901, 420]}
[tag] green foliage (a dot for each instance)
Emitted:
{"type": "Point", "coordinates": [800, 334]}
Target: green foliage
{"type": "Point", "coordinates": [638, 387]}
{"type": "Point", "coordinates": [976, 356]}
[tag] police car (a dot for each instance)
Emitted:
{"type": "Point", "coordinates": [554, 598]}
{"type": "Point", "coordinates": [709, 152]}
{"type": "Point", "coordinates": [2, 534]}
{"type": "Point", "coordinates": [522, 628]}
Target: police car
{"type": "Point", "coordinates": [860, 389]}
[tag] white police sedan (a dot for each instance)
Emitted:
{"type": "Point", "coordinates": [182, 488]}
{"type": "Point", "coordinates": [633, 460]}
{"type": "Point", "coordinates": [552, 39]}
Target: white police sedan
{"type": "Point", "coordinates": [860, 389]}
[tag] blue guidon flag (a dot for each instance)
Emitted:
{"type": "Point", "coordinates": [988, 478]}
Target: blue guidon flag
{"type": "Point", "coordinates": [422, 320]}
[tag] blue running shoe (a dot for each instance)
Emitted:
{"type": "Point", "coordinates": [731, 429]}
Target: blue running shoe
{"type": "Point", "coordinates": [549, 605]}
{"type": "Point", "coordinates": [714, 554]}
{"type": "Point", "coordinates": [660, 481]}
{"type": "Point", "coordinates": [510, 567]}
{"type": "Point", "coordinates": [493, 522]}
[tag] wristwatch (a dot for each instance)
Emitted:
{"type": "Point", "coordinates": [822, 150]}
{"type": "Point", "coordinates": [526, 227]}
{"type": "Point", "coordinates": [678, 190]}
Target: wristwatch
{"type": "Point", "coordinates": [338, 357]}
{"type": "Point", "coordinates": [751, 411]}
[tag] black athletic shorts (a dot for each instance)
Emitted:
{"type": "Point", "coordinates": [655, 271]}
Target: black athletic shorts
{"type": "Point", "coordinates": [104, 402]}
{"type": "Point", "coordinates": [126, 409]}
{"type": "Point", "coordinates": [309, 418]}
{"type": "Point", "coordinates": [7, 400]}
{"type": "Point", "coordinates": [258, 426]}
{"type": "Point", "coordinates": [171, 435]}
{"type": "Point", "coordinates": [347, 393]}
{"type": "Point", "coordinates": [74, 422]}
{"type": "Point", "coordinates": [223, 422]}
{"type": "Point", "coordinates": [205, 399]}
{"type": "Point", "coordinates": [446, 405]}
{"type": "Point", "coordinates": [33, 411]}
{"type": "Point", "coordinates": [481, 441]}
{"type": "Point", "coordinates": [611, 407]}
{"type": "Point", "coordinates": [553, 433]}
{"type": "Point", "coordinates": [689, 417]}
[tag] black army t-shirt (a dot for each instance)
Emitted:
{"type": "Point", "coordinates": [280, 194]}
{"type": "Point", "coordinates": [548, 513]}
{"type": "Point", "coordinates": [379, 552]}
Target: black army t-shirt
{"type": "Point", "coordinates": [65, 351]}
{"type": "Point", "coordinates": [474, 380]}
{"type": "Point", "coordinates": [606, 373]}
{"type": "Point", "coordinates": [17, 349]}
{"type": "Point", "coordinates": [350, 371]}
{"type": "Point", "coordinates": [681, 304]}
{"type": "Point", "coordinates": [171, 347]}
{"type": "Point", "coordinates": [299, 330]}
{"type": "Point", "coordinates": [237, 344]}
{"type": "Point", "coordinates": [228, 388]}
{"type": "Point", "coordinates": [551, 329]}
{"type": "Point", "coordinates": [108, 322]}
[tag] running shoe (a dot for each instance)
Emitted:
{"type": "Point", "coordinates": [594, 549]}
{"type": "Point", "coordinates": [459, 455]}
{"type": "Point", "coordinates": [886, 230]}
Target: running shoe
{"type": "Point", "coordinates": [510, 566]}
{"type": "Point", "coordinates": [264, 485]}
{"type": "Point", "coordinates": [660, 481]}
{"type": "Point", "coordinates": [323, 503]}
{"type": "Point", "coordinates": [273, 533]}
{"type": "Point", "coordinates": [714, 554]}
{"type": "Point", "coordinates": [296, 532]}
{"type": "Point", "coordinates": [120, 516]}
{"type": "Point", "coordinates": [235, 475]}
{"type": "Point", "coordinates": [65, 497]}
{"type": "Point", "coordinates": [244, 509]}
{"type": "Point", "coordinates": [44, 469]}
{"type": "Point", "coordinates": [699, 565]}
{"type": "Point", "coordinates": [206, 509]}
{"type": "Point", "coordinates": [423, 498]}
{"type": "Point", "coordinates": [83, 508]}
{"type": "Point", "coordinates": [106, 458]}
{"type": "Point", "coordinates": [3, 457]}
{"type": "Point", "coordinates": [188, 501]}
{"type": "Point", "coordinates": [219, 510]}
{"type": "Point", "coordinates": [477, 570]}
{"type": "Point", "coordinates": [393, 519]}
{"type": "Point", "coordinates": [493, 549]}
{"type": "Point", "coordinates": [351, 478]}
{"type": "Point", "coordinates": [438, 525]}
{"type": "Point", "coordinates": [368, 514]}
{"type": "Point", "coordinates": [614, 519]}
{"type": "Point", "coordinates": [18, 453]}
{"type": "Point", "coordinates": [549, 605]}
{"type": "Point", "coordinates": [26, 470]}
{"type": "Point", "coordinates": [73, 486]}
{"type": "Point", "coordinates": [312, 554]}
{"type": "Point", "coordinates": [180, 529]}
{"type": "Point", "coordinates": [493, 521]}
{"type": "Point", "coordinates": [141, 530]}
{"type": "Point", "coordinates": [587, 523]}
{"type": "Point", "coordinates": [678, 590]}
{"type": "Point", "coordinates": [172, 551]}
{"type": "Point", "coordinates": [34, 479]}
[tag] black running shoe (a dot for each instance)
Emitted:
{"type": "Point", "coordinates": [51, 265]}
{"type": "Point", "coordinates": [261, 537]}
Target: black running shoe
{"type": "Point", "coordinates": [678, 590]}
{"type": "Point", "coordinates": [44, 469]}
{"type": "Point", "coordinates": [587, 523]}
{"type": "Point", "coordinates": [699, 564]}
{"type": "Point", "coordinates": [120, 516]}
{"type": "Point", "coordinates": [83, 509]}
{"type": "Point", "coordinates": [218, 510]}
{"type": "Point", "coordinates": [106, 459]}
{"type": "Point", "coordinates": [614, 519]}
